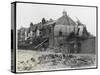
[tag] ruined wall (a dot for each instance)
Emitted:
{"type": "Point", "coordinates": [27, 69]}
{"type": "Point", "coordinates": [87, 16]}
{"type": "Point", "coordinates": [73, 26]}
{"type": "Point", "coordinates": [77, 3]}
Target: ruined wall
{"type": "Point", "coordinates": [88, 46]}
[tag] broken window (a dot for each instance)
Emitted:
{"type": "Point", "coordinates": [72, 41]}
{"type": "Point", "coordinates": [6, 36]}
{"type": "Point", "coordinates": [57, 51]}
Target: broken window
{"type": "Point", "coordinates": [60, 33]}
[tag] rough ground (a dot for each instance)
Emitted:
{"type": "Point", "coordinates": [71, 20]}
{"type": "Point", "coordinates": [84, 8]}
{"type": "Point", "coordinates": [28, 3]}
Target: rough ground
{"type": "Point", "coordinates": [29, 61]}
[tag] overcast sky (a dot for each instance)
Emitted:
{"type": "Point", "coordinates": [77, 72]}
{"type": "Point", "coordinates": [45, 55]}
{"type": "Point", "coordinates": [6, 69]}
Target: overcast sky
{"type": "Point", "coordinates": [34, 13]}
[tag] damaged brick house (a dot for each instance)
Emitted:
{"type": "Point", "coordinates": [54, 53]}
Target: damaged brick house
{"type": "Point", "coordinates": [63, 33]}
